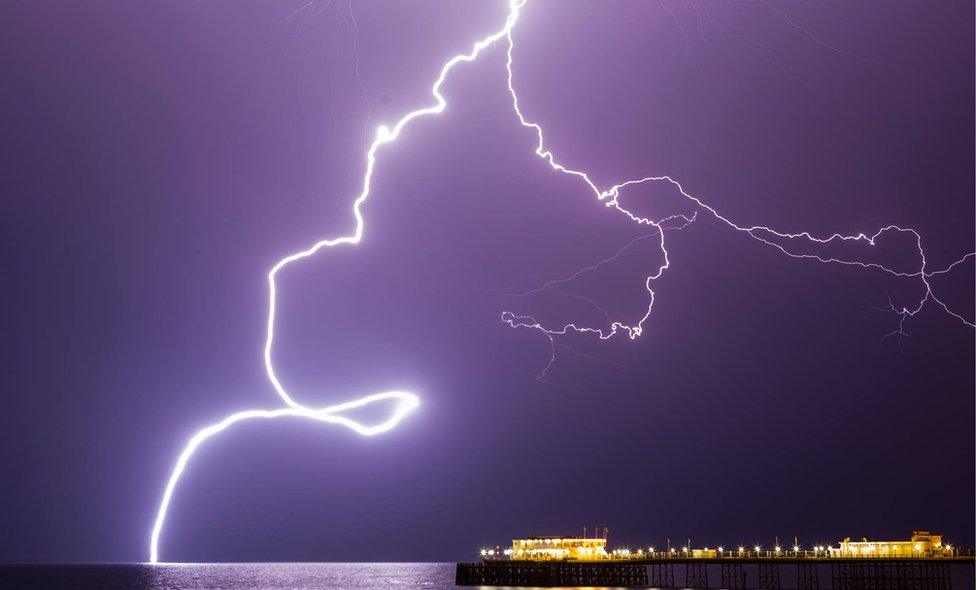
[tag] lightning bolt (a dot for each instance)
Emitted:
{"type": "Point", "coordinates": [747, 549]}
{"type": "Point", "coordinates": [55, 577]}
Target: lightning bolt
{"type": "Point", "coordinates": [405, 402]}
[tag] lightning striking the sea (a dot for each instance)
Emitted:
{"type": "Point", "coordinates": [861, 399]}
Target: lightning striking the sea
{"type": "Point", "coordinates": [405, 402]}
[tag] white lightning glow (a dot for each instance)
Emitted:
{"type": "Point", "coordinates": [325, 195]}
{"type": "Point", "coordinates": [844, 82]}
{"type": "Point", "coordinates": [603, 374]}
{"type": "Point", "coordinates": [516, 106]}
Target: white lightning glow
{"type": "Point", "coordinates": [405, 402]}
{"type": "Point", "coordinates": [331, 414]}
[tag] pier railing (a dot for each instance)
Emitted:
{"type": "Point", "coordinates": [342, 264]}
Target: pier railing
{"type": "Point", "coordinates": [714, 555]}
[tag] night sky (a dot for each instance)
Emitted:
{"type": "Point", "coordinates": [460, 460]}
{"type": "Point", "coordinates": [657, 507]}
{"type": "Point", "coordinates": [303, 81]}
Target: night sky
{"type": "Point", "coordinates": [157, 158]}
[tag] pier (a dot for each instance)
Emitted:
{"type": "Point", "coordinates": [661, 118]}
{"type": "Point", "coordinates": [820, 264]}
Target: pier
{"type": "Point", "coordinates": [922, 563]}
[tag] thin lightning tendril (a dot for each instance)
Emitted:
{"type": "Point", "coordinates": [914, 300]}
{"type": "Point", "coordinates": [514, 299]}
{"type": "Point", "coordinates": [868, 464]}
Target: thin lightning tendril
{"type": "Point", "coordinates": [405, 402]}
{"type": "Point", "coordinates": [763, 234]}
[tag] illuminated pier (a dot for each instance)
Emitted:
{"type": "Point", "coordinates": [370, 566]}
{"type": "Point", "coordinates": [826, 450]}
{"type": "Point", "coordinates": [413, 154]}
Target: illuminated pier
{"type": "Point", "coordinates": [922, 562]}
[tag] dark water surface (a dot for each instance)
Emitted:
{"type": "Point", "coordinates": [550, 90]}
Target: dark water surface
{"type": "Point", "coordinates": [264, 576]}
{"type": "Point", "coordinates": [270, 576]}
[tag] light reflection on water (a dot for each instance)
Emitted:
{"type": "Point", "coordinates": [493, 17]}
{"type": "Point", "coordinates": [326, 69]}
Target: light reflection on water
{"type": "Point", "coordinates": [302, 576]}
{"type": "Point", "coordinates": [230, 576]}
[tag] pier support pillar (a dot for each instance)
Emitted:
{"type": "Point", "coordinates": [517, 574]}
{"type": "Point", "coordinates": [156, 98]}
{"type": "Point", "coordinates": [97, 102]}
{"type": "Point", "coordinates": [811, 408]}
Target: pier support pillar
{"type": "Point", "coordinates": [842, 576]}
{"type": "Point", "coordinates": [937, 575]}
{"type": "Point", "coordinates": [662, 575]}
{"type": "Point", "coordinates": [806, 576]}
{"type": "Point", "coordinates": [769, 576]}
{"type": "Point", "coordinates": [733, 578]}
{"type": "Point", "coordinates": [696, 575]}
{"type": "Point", "coordinates": [878, 574]}
{"type": "Point", "coordinates": [906, 576]}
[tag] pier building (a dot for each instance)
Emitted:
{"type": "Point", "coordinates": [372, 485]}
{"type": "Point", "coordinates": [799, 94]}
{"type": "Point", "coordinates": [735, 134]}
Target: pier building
{"type": "Point", "coordinates": [922, 544]}
{"type": "Point", "coordinates": [545, 548]}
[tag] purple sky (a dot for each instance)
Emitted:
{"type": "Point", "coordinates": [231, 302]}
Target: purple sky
{"type": "Point", "coordinates": [159, 157]}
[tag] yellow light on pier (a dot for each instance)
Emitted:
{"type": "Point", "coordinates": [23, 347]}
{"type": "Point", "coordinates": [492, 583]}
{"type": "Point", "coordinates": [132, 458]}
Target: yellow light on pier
{"type": "Point", "coordinates": [921, 544]}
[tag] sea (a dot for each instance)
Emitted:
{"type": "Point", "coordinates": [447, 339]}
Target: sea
{"type": "Point", "coordinates": [259, 576]}
{"type": "Point", "coordinates": [229, 576]}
